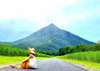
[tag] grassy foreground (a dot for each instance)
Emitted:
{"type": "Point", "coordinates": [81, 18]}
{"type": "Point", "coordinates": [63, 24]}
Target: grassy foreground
{"type": "Point", "coordinates": [89, 60]}
{"type": "Point", "coordinates": [4, 60]}
{"type": "Point", "coordinates": [88, 65]}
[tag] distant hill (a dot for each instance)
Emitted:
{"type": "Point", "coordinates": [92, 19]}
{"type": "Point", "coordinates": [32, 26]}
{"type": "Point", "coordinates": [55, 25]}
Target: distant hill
{"type": "Point", "coordinates": [50, 38]}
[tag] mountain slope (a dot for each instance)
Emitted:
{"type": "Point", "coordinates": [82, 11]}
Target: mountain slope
{"type": "Point", "coordinates": [50, 38]}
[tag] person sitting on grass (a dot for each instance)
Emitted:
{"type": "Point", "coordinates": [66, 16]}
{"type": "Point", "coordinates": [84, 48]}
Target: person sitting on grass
{"type": "Point", "coordinates": [29, 62]}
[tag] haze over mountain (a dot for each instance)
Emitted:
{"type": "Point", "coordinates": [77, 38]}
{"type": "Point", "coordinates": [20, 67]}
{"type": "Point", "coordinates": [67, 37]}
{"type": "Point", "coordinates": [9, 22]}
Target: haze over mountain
{"type": "Point", "coordinates": [50, 38]}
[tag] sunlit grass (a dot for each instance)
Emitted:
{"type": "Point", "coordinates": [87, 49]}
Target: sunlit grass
{"type": "Point", "coordinates": [93, 56]}
{"type": "Point", "coordinates": [4, 60]}
{"type": "Point", "coordinates": [85, 64]}
{"type": "Point", "coordinates": [88, 60]}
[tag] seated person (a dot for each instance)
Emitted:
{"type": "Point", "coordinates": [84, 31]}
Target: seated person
{"type": "Point", "coordinates": [29, 62]}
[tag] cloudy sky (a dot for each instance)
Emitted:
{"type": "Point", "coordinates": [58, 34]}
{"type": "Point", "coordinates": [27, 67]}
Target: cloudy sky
{"type": "Point", "coordinates": [19, 18]}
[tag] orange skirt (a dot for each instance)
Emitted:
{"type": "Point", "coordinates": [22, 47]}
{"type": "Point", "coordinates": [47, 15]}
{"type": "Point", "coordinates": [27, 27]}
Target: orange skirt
{"type": "Point", "coordinates": [25, 65]}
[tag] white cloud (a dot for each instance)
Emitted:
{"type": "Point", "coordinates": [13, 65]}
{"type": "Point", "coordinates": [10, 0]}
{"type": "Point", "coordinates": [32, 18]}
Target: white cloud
{"type": "Point", "coordinates": [31, 15]}
{"type": "Point", "coordinates": [43, 12]}
{"type": "Point", "coordinates": [36, 10]}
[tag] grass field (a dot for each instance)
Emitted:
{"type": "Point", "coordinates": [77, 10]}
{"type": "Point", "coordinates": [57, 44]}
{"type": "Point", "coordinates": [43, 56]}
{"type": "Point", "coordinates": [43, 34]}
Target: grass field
{"type": "Point", "coordinates": [93, 56]}
{"type": "Point", "coordinates": [14, 59]}
{"type": "Point", "coordinates": [90, 60]}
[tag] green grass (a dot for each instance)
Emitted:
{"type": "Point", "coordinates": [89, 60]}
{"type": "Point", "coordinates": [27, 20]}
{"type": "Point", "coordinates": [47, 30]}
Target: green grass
{"type": "Point", "coordinates": [90, 60]}
{"type": "Point", "coordinates": [93, 56]}
{"type": "Point", "coordinates": [10, 59]}
{"type": "Point", "coordinates": [5, 60]}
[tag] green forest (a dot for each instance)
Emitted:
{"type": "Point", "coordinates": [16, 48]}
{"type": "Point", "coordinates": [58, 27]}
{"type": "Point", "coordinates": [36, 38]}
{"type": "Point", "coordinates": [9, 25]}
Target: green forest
{"type": "Point", "coordinates": [7, 49]}
{"type": "Point", "coordinates": [79, 48]}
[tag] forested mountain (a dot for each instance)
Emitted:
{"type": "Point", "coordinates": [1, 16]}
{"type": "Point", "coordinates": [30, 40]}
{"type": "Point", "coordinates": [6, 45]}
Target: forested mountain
{"type": "Point", "coordinates": [50, 38]}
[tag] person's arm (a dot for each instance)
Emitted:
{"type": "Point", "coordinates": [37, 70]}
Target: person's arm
{"type": "Point", "coordinates": [25, 59]}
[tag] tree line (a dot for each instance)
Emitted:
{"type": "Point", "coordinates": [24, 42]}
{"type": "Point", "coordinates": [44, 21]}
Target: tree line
{"type": "Point", "coordinates": [79, 48]}
{"type": "Point", "coordinates": [10, 50]}
{"type": "Point", "coordinates": [7, 49]}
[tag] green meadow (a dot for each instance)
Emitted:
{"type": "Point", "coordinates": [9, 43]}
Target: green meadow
{"type": "Point", "coordinates": [89, 60]}
{"type": "Point", "coordinates": [6, 60]}
{"type": "Point", "coordinates": [10, 59]}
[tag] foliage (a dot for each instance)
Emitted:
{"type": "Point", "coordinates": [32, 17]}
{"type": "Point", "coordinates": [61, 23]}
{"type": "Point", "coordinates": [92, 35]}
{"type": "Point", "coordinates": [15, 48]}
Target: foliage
{"type": "Point", "coordinates": [9, 50]}
{"type": "Point", "coordinates": [79, 48]}
{"type": "Point", "coordinates": [50, 53]}
{"type": "Point", "coordinates": [38, 54]}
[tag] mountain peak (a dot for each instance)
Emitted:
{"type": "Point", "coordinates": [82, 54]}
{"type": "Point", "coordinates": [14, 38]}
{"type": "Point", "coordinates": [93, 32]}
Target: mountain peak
{"type": "Point", "coordinates": [52, 25]}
